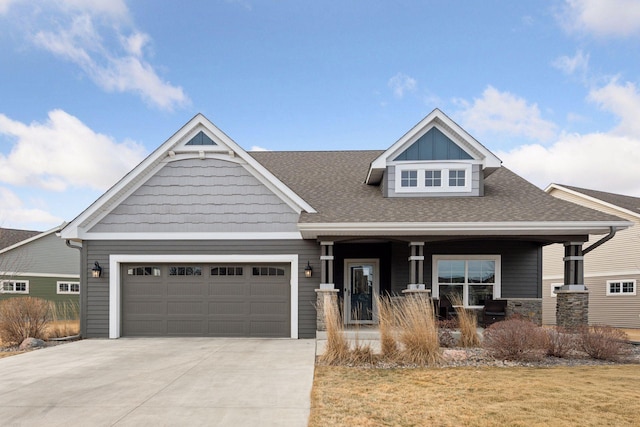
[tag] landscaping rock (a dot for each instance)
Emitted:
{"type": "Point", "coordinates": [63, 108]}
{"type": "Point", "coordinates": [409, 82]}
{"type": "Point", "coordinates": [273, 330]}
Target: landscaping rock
{"type": "Point", "coordinates": [30, 343]}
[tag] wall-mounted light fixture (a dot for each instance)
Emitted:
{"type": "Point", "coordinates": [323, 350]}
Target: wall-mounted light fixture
{"type": "Point", "coordinates": [96, 271]}
{"type": "Point", "coordinates": [308, 271]}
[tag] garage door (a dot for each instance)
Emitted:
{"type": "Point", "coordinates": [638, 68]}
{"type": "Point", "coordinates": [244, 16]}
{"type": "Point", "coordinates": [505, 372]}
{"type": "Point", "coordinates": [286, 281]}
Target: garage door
{"type": "Point", "coordinates": [233, 300]}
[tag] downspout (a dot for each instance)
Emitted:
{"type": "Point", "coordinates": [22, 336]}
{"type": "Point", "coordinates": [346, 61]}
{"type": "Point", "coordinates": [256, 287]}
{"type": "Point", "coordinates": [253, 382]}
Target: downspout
{"type": "Point", "coordinates": [83, 287]}
{"type": "Point", "coordinates": [612, 232]}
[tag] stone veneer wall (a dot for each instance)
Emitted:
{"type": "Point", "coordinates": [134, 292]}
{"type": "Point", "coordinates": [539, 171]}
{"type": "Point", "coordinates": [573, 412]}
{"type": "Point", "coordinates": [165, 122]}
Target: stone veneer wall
{"type": "Point", "coordinates": [572, 308]}
{"type": "Point", "coordinates": [324, 296]}
{"type": "Point", "coordinates": [529, 308]}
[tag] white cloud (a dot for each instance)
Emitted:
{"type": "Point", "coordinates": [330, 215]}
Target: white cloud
{"type": "Point", "coordinates": [402, 83]}
{"type": "Point", "coordinates": [98, 36]}
{"type": "Point", "coordinates": [62, 153]}
{"type": "Point", "coordinates": [623, 100]}
{"type": "Point", "coordinates": [15, 214]}
{"type": "Point", "coordinates": [506, 114]}
{"type": "Point", "coordinates": [579, 63]}
{"type": "Point", "coordinates": [620, 18]}
{"type": "Point", "coordinates": [598, 161]}
{"type": "Point", "coordinates": [258, 148]}
{"type": "Point", "coordinates": [4, 5]}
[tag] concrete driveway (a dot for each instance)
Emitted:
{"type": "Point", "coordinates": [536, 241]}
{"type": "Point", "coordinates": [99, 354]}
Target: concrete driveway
{"type": "Point", "coordinates": [160, 382]}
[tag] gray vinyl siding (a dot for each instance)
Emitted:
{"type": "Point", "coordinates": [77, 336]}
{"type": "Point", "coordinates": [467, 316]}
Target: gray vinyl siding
{"type": "Point", "coordinates": [477, 185]}
{"type": "Point", "coordinates": [47, 255]}
{"type": "Point", "coordinates": [194, 195]}
{"type": "Point", "coordinates": [620, 311]}
{"type": "Point", "coordinates": [96, 303]}
{"type": "Point", "coordinates": [400, 267]}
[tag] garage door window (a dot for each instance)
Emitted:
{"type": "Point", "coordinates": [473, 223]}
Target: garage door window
{"type": "Point", "coordinates": [185, 271]}
{"type": "Point", "coordinates": [227, 271]}
{"type": "Point", "coordinates": [268, 271]}
{"type": "Point", "coordinates": [143, 271]}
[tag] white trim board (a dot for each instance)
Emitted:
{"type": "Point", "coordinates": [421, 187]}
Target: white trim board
{"type": "Point", "coordinates": [27, 274]}
{"type": "Point", "coordinates": [597, 274]}
{"type": "Point", "coordinates": [115, 279]}
{"type": "Point", "coordinates": [291, 235]}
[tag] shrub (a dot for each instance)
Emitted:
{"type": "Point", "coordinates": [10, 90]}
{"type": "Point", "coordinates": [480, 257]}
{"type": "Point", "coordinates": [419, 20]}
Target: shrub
{"type": "Point", "coordinates": [603, 342]}
{"type": "Point", "coordinates": [337, 349]}
{"type": "Point", "coordinates": [23, 317]}
{"type": "Point", "coordinates": [560, 342]}
{"type": "Point", "coordinates": [418, 331]}
{"type": "Point", "coordinates": [516, 339]}
{"type": "Point", "coordinates": [468, 323]}
{"type": "Point", "coordinates": [387, 324]}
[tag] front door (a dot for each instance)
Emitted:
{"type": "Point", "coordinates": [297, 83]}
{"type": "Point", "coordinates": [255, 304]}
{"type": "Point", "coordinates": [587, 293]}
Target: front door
{"type": "Point", "coordinates": [360, 291]}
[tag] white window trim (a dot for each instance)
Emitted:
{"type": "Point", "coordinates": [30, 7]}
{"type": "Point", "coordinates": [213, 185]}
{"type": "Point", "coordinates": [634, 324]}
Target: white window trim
{"type": "Point", "coordinates": [69, 292]}
{"type": "Point", "coordinates": [621, 294]}
{"type": "Point", "coordinates": [553, 288]}
{"type": "Point", "coordinates": [497, 286]}
{"type": "Point", "coordinates": [115, 280]}
{"type": "Point", "coordinates": [2, 283]}
{"type": "Point", "coordinates": [444, 168]}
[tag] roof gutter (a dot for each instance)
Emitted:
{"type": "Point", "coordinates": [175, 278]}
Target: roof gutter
{"type": "Point", "coordinates": [612, 232]}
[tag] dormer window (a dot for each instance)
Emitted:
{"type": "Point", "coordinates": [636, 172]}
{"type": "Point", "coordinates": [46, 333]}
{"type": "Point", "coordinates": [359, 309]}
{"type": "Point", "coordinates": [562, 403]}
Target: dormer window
{"type": "Point", "coordinates": [409, 178]}
{"type": "Point", "coordinates": [433, 178]}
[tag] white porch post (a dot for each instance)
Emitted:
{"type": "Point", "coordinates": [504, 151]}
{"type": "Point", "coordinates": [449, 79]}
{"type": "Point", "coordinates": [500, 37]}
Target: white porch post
{"type": "Point", "coordinates": [416, 266]}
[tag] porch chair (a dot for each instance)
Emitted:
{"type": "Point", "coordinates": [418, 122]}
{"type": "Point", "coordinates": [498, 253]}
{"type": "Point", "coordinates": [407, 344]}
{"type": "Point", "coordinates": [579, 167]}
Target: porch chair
{"type": "Point", "coordinates": [494, 311]}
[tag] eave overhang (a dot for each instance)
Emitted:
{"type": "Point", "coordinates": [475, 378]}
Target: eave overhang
{"type": "Point", "coordinates": [370, 229]}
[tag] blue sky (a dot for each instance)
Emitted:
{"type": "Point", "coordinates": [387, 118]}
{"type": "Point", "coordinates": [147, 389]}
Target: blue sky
{"type": "Point", "coordinates": [90, 87]}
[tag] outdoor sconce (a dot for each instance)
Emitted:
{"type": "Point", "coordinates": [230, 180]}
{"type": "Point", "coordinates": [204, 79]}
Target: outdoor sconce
{"type": "Point", "coordinates": [308, 271]}
{"type": "Point", "coordinates": [96, 271]}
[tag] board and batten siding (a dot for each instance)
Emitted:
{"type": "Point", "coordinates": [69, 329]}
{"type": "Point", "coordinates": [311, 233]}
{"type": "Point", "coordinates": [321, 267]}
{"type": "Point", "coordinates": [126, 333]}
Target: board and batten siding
{"type": "Point", "coordinates": [619, 258]}
{"type": "Point", "coordinates": [477, 185]}
{"type": "Point", "coordinates": [201, 195]}
{"type": "Point", "coordinates": [46, 255]}
{"type": "Point", "coordinates": [96, 298]}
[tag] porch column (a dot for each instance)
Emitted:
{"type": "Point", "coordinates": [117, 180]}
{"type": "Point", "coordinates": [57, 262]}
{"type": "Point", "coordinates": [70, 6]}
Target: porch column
{"type": "Point", "coordinates": [327, 294]}
{"type": "Point", "coordinates": [416, 266]}
{"type": "Point", "coordinates": [572, 302]}
{"type": "Point", "coordinates": [326, 265]}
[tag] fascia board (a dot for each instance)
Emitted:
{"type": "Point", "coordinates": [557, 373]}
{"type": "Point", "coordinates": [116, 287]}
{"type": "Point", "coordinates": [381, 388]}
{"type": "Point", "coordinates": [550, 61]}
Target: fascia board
{"type": "Point", "coordinates": [102, 205]}
{"type": "Point", "coordinates": [601, 202]}
{"type": "Point", "coordinates": [292, 235]}
{"type": "Point", "coordinates": [311, 230]}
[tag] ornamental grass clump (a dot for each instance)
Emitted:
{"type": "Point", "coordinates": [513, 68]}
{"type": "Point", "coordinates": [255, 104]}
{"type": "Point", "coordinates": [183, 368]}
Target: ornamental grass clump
{"type": "Point", "coordinates": [337, 348]}
{"type": "Point", "coordinates": [418, 331]}
{"type": "Point", "coordinates": [387, 324]}
{"type": "Point", "coordinates": [22, 318]}
{"type": "Point", "coordinates": [65, 319]}
{"type": "Point", "coordinates": [467, 322]}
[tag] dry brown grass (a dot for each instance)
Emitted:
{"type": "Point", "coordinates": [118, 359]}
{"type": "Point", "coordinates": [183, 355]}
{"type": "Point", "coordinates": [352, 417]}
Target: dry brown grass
{"type": "Point", "coordinates": [65, 320]}
{"type": "Point", "coordinates": [467, 322]}
{"type": "Point", "coordinates": [559, 396]}
{"type": "Point", "coordinates": [387, 323]}
{"type": "Point", "coordinates": [418, 331]}
{"type": "Point", "coordinates": [337, 349]}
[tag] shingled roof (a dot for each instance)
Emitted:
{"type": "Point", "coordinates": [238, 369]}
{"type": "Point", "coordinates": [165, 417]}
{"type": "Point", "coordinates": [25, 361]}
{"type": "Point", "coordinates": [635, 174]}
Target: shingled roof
{"type": "Point", "coordinates": [10, 236]}
{"type": "Point", "coordinates": [333, 183]}
{"type": "Point", "coordinates": [629, 203]}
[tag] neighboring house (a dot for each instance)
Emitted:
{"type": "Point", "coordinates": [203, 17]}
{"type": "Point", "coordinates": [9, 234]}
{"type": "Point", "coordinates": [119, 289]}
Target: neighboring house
{"type": "Point", "coordinates": [203, 238]}
{"type": "Point", "coordinates": [38, 265]}
{"type": "Point", "coordinates": [611, 272]}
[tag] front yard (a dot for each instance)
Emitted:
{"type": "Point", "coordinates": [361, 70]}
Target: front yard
{"type": "Point", "coordinates": [606, 395]}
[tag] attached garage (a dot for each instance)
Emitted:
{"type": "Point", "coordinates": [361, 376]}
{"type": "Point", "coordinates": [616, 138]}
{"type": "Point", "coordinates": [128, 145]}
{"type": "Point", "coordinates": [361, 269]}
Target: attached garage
{"type": "Point", "coordinates": [206, 299]}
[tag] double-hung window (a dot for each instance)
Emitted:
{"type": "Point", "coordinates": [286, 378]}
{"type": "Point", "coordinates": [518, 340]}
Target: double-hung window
{"type": "Point", "coordinates": [473, 279]}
